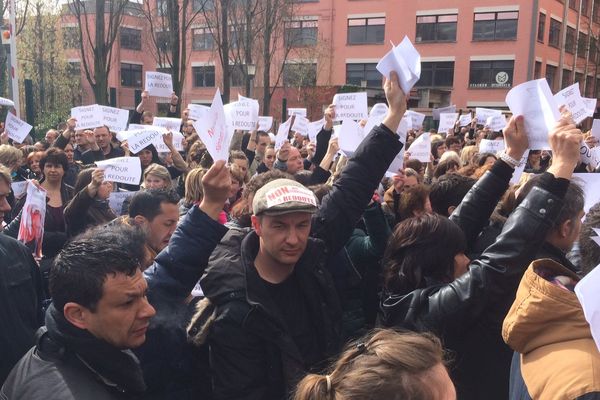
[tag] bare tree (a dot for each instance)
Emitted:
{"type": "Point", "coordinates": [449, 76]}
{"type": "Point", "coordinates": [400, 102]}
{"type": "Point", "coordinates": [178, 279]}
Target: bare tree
{"type": "Point", "coordinates": [96, 48]}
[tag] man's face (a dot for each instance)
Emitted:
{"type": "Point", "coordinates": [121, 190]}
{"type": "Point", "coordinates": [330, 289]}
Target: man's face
{"type": "Point", "coordinates": [80, 138]}
{"type": "Point", "coordinates": [102, 137]}
{"type": "Point", "coordinates": [455, 147]}
{"type": "Point", "coordinates": [123, 314]}
{"type": "Point", "coordinates": [4, 192]}
{"type": "Point", "coordinates": [294, 162]}
{"type": "Point", "coordinates": [283, 238]}
{"type": "Point", "coordinates": [263, 142]}
{"type": "Point", "coordinates": [243, 164]}
{"type": "Point", "coordinates": [188, 128]}
{"type": "Point", "coordinates": [51, 136]}
{"type": "Point", "coordinates": [160, 229]}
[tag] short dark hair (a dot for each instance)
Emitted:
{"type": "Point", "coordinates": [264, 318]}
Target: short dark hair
{"type": "Point", "coordinates": [483, 157]}
{"type": "Point", "coordinates": [590, 250]}
{"type": "Point", "coordinates": [414, 164]}
{"type": "Point", "coordinates": [573, 201]}
{"type": "Point", "coordinates": [80, 269]}
{"type": "Point", "coordinates": [443, 167]}
{"type": "Point", "coordinates": [147, 202]}
{"type": "Point", "coordinates": [237, 155]}
{"type": "Point", "coordinates": [450, 140]}
{"type": "Point", "coordinates": [421, 251]}
{"type": "Point", "coordinates": [260, 134]}
{"type": "Point", "coordinates": [449, 191]}
{"type": "Point", "coordinates": [413, 199]}
{"type": "Point", "coordinates": [54, 156]}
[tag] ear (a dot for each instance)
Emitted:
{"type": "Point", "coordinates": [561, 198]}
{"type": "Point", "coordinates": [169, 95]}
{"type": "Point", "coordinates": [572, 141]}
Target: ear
{"type": "Point", "coordinates": [140, 220]}
{"type": "Point", "coordinates": [451, 210]}
{"type": "Point", "coordinates": [256, 224]}
{"type": "Point", "coordinates": [566, 228]}
{"type": "Point", "coordinates": [76, 315]}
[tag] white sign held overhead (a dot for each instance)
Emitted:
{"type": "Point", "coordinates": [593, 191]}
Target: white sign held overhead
{"type": "Point", "coordinates": [170, 124]}
{"type": "Point", "coordinates": [447, 122]}
{"type": "Point", "coordinates": [213, 131]}
{"type": "Point", "coordinates": [589, 156]}
{"type": "Point", "coordinates": [378, 110]}
{"type": "Point", "coordinates": [405, 60]}
{"type": "Point", "coordinates": [159, 84]}
{"type": "Point", "coordinates": [16, 129]}
{"type": "Point", "coordinates": [465, 120]}
{"type": "Point", "coordinates": [88, 117]}
{"type": "Point", "coordinates": [571, 98]}
{"type": "Point", "coordinates": [314, 128]}
{"type": "Point", "coordinates": [351, 106]}
{"type": "Point", "coordinates": [596, 129]}
{"type": "Point", "coordinates": [139, 139]}
{"type": "Point", "coordinates": [496, 122]}
{"type": "Point", "coordinates": [133, 127]}
{"type": "Point", "coordinates": [122, 169]}
{"type": "Point", "coordinates": [534, 101]}
{"type": "Point", "coordinates": [420, 149]}
{"type": "Point", "coordinates": [283, 133]}
{"type": "Point", "coordinates": [242, 115]}
{"type": "Point", "coordinates": [491, 146]}
{"type": "Point", "coordinates": [297, 111]}
{"type": "Point", "coordinates": [265, 123]}
{"type": "Point", "coordinates": [197, 111]}
{"type": "Point", "coordinates": [416, 119]}
{"type": "Point", "coordinates": [435, 113]}
{"type": "Point", "coordinates": [590, 106]}
{"type": "Point", "coordinates": [590, 184]}
{"type": "Point", "coordinates": [6, 102]}
{"type": "Point", "coordinates": [300, 125]}
{"type": "Point", "coordinates": [115, 118]}
{"type": "Point", "coordinates": [351, 135]}
{"type": "Point", "coordinates": [161, 147]}
{"type": "Point", "coordinates": [396, 165]}
{"type": "Point", "coordinates": [482, 114]}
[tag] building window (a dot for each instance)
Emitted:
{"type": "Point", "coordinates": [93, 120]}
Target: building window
{"type": "Point", "coordinates": [357, 74]}
{"type": "Point", "coordinates": [585, 7]}
{"type": "Point", "coordinates": [71, 37]}
{"type": "Point", "coordinates": [202, 39]}
{"type": "Point", "coordinates": [236, 36]}
{"type": "Point", "coordinates": [131, 75]}
{"type": "Point", "coordinates": [203, 5]}
{"type": "Point", "coordinates": [570, 40]}
{"type": "Point", "coordinates": [554, 37]}
{"type": "Point", "coordinates": [436, 28]}
{"type": "Point", "coordinates": [491, 74]}
{"type": "Point", "coordinates": [582, 45]}
{"type": "Point", "coordinates": [541, 28]}
{"type": "Point", "coordinates": [436, 74]}
{"type": "Point", "coordinates": [537, 72]}
{"type": "Point", "coordinates": [593, 50]}
{"type": "Point", "coordinates": [204, 76]}
{"type": "Point", "coordinates": [589, 86]}
{"type": "Point", "coordinates": [300, 75]}
{"type": "Point", "coordinates": [573, 4]}
{"type": "Point", "coordinates": [301, 33]}
{"type": "Point", "coordinates": [566, 78]}
{"type": "Point", "coordinates": [366, 30]}
{"type": "Point", "coordinates": [496, 26]}
{"type": "Point", "coordinates": [131, 39]}
{"type": "Point", "coordinates": [163, 40]}
{"type": "Point", "coordinates": [236, 75]}
{"type": "Point", "coordinates": [551, 72]}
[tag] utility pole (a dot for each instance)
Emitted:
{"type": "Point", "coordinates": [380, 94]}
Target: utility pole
{"type": "Point", "coordinates": [14, 76]}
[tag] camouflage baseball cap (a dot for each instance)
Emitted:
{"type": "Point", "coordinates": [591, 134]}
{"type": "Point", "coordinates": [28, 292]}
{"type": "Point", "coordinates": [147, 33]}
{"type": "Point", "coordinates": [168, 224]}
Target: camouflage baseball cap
{"type": "Point", "coordinates": [283, 196]}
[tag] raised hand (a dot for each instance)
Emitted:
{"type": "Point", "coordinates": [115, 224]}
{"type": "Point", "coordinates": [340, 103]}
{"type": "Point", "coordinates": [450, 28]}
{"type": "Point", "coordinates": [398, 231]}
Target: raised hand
{"type": "Point", "coordinates": [216, 185]}
{"type": "Point", "coordinates": [284, 152]}
{"type": "Point", "coordinates": [565, 140]}
{"type": "Point", "coordinates": [515, 137]}
{"type": "Point", "coordinates": [329, 116]}
{"type": "Point", "coordinates": [396, 99]}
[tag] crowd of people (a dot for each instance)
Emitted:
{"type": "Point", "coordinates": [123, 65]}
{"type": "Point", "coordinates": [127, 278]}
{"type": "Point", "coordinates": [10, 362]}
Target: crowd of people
{"type": "Point", "coordinates": [299, 272]}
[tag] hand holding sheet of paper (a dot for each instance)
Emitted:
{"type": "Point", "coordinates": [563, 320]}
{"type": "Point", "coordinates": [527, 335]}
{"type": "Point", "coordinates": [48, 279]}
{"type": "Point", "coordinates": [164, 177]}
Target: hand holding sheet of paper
{"type": "Point", "coordinates": [571, 98]}
{"type": "Point", "coordinates": [282, 133]}
{"type": "Point", "coordinates": [122, 169]}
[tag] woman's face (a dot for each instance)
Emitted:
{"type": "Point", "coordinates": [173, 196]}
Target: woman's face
{"type": "Point", "coordinates": [270, 158]}
{"type": "Point", "coordinates": [145, 157]}
{"type": "Point", "coordinates": [53, 172]}
{"type": "Point", "coordinates": [154, 182]}
{"type": "Point", "coordinates": [441, 150]}
{"type": "Point", "coordinates": [535, 156]}
{"type": "Point", "coordinates": [104, 190]}
{"type": "Point", "coordinates": [69, 152]}
{"type": "Point", "coordinates": [34, 164]}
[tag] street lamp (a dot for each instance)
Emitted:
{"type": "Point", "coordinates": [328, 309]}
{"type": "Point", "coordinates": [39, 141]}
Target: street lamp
{"type": "Point", "coordinates": [251, 73]}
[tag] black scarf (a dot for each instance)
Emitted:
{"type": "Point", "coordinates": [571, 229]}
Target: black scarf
{"type": "Point", "coordinates": [119, 367]}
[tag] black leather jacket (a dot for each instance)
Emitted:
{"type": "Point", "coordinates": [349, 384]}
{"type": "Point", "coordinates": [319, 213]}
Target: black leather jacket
{"type": "Point", "coordinates": [467, 313]}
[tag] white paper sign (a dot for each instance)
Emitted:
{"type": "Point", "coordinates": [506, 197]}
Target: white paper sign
{"type": "Point", "coordinates": [405, 60]}
{"type": "Point", "coordinates": [197, 111]}
{"type": "Point", "coordinates": [159, 84]}
{"type": "Point", "coordinates": [491, 146]}
{"type": "Point", "coordinates": [300, 125]}
{"type": "Point", "coordinates": [283, 133]}
{"type": "Point", "coordinates": [16, 129]}
{"type": "Point", "coordinates": [31, 228]}
{"type": "Point", "coordinates": [589, 296]}
{"type": "Point", "coordinates": [161, 147]}
{"type": "Point", "coordinates": [519, 170]}
{"type": "Point", "coordinates": [496, 122]}
{"type": "Point", "coordinates": [596, 129]}
{"type": "Point", "coordinates": [133, 127]}
{"type": "Point", "coordinates": [416, 119]}
{"type": "Point", "coordinates": [139, 139]}
{"type": "Point", "coordinates": [447, 121]}
{"type": "Point", "coordinates": [115, 118]}
{"type": "Point", "coordinates": [591, 106]}
{"type": "Point", "coordinates": [420, 149]}
{"type": "Point", "coordinates": [435, 113]}
{"type": "Point", "coordinates": [535, 102]}
{"type": "Point", "coordinates": [372, 122]}
{"type": "Point", "coordinates": [213, 130]}
{"type": "Point", "coordinates": [116, 200]}
{"type": "Point", "coordinates": [170, 124]}
{"type": "Point", "coordinates": [297, 111]}
{"type": "Point", "coordinates": [350, 106]}
{"type": "Point", "coordinates": [590, 184]}
{"type": "Point", "coordinates": [351, 135]}
{"type": "Point", "coordinates": [571, 98]}
{"type": "Point", "coordinates": [243, 114]}
{"type": "Point", "coordinates": [6, 102]}
{"type": "Point", "coordinates": [265, 123]}
{"type": "Point", "coordinates": [465, 120]}
{"type": "Point", "coordinates": [314, 128]}
{"type": "Point", "coordinates": [378, 110]}
{"type": "Point", "coordinates": [122, 169]}
{"type": "Point", "coordinates": [88, 117]}
{"type": "Point", "coordinates": [19, 188]}
{"type": "Point", "coordinates": [482, 114]}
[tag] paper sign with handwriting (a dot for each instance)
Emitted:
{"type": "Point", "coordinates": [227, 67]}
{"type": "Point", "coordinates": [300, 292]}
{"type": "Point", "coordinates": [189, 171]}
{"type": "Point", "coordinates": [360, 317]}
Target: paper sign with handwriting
{"type": "Point", "coordinates": [197, 111]}
{"type": "Point", "coordinates": [378, 109]}
{"type": "Point", "coordinates": [133, 127]}
{"type": "Point", "coordinates": [405, 60]}
{"type": "Point", "coordinates": [265, 123]}
{"type": "Point", "coordinates": [491, 146]}
{"type": "Point", "coordinates": [350, 106]}
{"type": "Point", "coordinates": [596, 129]}
{"type": "Point", "coordinates": [139, 139]}
{"type": "Point", "coordinates": [447, 121]}
{"type": "Point", "coordinates": [115, 118]}
{"type": "Point", "coordinates": [300, 125]}
{"type": "Point", "coordinates": [16, 129]}
{"type": "Point", "coordinates": [372, 122]}
{"type": "Point", "coordinates": [496, 122]}
{"type": "Point", "coordinates": [420, 149]}
{"type": "Point", "coordinates": [589, 156]}
{"type": "Point", "coordinates": [314, 128]}
{"type": "Point", "coordinates": [213, 130]}
{"type": "Point", "coordinates": [161, 147]}
{"type": "Point", "coordinates": [482, 114]}
{"type": "Point", "coordinates": [122, 169]}
{"type": "Point", "coordinates": [242, 115]}
{"type": "Point", "coordinates": [590, 105]}
{"type": "Point", "coordinates": [465, 120]}
{"type": "Point", "coordinates": [571, 98]}
{"type": "Point", "coordinates": [351, 135]}
{"type": "Point", "coordinates": [535, 102]}
{"type": "Point", "coordinates": [88, 117]}
{"type": "Point", "coordinates": [170, 124]}
{"type": "Point", "coordinates": [435, 113]}
{"type": "Point", "coordinates": [297, 111]}
{"type": "Point", "coordinates": [416, 119]}
{"type": "Point", "coordinates": [283, 133]}
{"type": "Point", "coordinates": [159, 84]}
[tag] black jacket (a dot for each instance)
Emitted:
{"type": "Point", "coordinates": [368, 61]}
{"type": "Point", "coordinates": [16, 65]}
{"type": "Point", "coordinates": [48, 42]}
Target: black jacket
{"type": "Point", "coordinates": [253, 355]}
{"type": "Point", "coordinates": [84, 212]}
{"type": "Point", "coordinates": [468, 313]}
{"type": "Point", "coordinates": [20, 302]}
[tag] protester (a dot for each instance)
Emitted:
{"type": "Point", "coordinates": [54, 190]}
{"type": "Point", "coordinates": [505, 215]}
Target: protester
{"type": "Point", "coordinates": [104, 140]}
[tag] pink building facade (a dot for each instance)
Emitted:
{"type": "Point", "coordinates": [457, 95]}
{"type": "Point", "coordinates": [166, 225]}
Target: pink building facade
{"type": "Point", "coordinates": [472, 52]}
